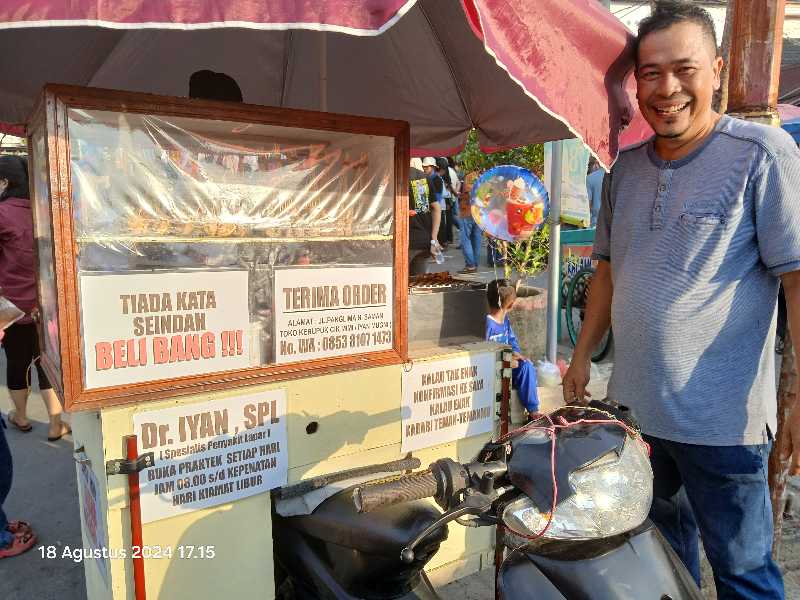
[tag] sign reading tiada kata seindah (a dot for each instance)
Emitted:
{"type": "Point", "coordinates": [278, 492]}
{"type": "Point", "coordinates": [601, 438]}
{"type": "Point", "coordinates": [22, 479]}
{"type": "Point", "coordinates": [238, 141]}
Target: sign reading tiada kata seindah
{"type": "Point", "coordinates": [212, 453]}
{"type": "Point", "coordinates": [339, 311]}
{"type": "Point", "coordinates": [148, 326]}
{"type": "Point", "coordinates": [447, 400]}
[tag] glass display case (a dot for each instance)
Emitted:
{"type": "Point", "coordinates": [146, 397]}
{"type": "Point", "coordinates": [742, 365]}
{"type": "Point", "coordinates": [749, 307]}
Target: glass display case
{"type": "Point", "coordinates": [187, 245]}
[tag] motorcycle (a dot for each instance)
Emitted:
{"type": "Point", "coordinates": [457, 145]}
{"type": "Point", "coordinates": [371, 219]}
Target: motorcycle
{"type": "Point", "coordinates": [570, 491]}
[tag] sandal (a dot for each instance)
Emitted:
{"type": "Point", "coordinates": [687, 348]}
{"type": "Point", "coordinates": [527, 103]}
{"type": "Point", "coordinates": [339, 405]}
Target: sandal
{"type": "Point", "coordinates": [65, 429]}
{"type": "Point", "coordinates": [22, 542]}
{"type": "Point", "coordinates": [12, 419]}
{"type": "Point", "coordinates": [18, 527]}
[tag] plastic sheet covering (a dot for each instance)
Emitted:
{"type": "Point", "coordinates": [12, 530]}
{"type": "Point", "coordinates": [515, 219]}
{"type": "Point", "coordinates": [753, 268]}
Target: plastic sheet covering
{"type": "Point", "coordinates": [48, 306]}
{"type": "Point", "coordinates": [139, 176]}
{"type": "Point", "coordinates": [168, 194]}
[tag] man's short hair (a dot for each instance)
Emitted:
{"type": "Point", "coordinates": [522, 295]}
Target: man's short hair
{"type": "Point", "coordinates": [672, 12]}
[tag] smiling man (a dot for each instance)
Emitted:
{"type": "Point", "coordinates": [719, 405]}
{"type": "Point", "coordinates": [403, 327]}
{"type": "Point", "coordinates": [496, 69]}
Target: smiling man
{"type": "Point", "coordinates": [697, 228]}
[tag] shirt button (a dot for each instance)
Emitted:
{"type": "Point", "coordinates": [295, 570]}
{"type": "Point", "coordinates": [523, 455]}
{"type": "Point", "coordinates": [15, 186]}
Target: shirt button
{"type": "Point", "coordinates": [658, 209]}
{"type": "Point", "coordinates": [662, 188]}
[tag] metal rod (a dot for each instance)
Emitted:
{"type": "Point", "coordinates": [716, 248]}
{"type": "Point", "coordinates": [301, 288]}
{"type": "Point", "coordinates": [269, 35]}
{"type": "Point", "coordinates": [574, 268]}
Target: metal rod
{"type": "Point", "coordinates": [553, 291]}
{"type": "Point", "coordinates": [505, 417]}
{"type": "Point", "coordinates": [323, 73]}
{"type": "Point", "coordinates": [132, 454]}
{"type": "Point", "coordinates": [505, 395]}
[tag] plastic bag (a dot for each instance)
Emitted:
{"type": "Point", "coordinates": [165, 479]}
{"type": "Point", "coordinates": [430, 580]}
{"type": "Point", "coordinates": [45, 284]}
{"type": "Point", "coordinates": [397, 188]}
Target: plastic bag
{"type": "Point", "coordinates": [548, 374]}
{"type": "Point", "coordinates": [9, 313]}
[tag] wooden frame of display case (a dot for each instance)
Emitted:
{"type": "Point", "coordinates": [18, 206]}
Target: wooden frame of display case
{"type": "Point", "coordinates": [51, 114]}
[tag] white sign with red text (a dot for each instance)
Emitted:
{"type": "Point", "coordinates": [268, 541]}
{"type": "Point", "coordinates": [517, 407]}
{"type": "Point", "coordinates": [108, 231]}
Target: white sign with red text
{"type": "Point", "coordinates": [148, 326]}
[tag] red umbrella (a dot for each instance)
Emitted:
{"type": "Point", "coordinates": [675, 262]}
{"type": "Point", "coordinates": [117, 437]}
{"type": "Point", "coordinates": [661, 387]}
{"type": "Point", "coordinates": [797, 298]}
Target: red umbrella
{"type": "Point", "coordinates": [519, 72]}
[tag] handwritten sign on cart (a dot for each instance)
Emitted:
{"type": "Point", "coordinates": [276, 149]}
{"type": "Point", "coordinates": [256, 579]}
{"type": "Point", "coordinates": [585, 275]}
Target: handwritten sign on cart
{"type": "Point", "coordinates": [212, 453]}
{"type": "Point", "coordinates": [339, 311]}
{"type": "Point", "coordinates": [447, 400]}
{"type": "Point", "coordinates": [148, 326]}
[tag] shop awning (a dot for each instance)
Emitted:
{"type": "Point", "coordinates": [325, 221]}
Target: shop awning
{"type": "Point", "coordinates": [519, 72]}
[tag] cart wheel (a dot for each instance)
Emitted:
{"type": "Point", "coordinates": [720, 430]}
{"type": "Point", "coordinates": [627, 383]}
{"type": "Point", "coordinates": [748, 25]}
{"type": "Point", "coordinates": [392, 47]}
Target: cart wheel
{"type": "Point", "coordinates": [577, 296]}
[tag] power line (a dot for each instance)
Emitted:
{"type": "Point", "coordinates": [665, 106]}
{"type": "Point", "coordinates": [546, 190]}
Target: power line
{"type": "Point", "coordinates": [636, 4]}
{"type": "Point", "coordinates": [629, 10]}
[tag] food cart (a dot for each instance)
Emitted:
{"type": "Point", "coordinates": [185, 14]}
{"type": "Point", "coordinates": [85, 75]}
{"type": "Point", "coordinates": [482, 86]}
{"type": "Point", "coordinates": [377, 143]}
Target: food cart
{"type": "Point", "coordinates": [224, 310]}
{"type": "Point", "coordinates": [445, 66]}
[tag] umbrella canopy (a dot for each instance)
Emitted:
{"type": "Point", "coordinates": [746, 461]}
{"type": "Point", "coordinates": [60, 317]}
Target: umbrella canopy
{"type": "Point", "coordinates": [518, 72]}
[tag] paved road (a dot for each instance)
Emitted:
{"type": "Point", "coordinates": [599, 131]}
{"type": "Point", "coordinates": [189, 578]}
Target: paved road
{"type": "Point", "coordinates": [44, 492]}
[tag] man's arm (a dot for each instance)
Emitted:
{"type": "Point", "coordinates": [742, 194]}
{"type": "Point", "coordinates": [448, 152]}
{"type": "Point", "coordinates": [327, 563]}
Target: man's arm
{"type": "Point", "coordinates": [791, 289]}
{"type": "Point", "coordinates": [595, 324]}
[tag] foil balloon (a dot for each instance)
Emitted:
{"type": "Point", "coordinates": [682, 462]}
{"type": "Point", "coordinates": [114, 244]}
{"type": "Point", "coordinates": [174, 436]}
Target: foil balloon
{"type": "Point", "coordinates": [509, 203]}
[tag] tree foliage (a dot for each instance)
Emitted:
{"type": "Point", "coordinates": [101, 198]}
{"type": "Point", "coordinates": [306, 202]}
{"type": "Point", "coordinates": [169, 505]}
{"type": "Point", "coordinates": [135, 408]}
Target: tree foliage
{"type": "Point", "coordinates": [474, 159]}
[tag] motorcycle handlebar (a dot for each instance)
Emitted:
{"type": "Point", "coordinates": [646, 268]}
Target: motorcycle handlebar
{"type": "Point", "coordinates": [405, 488]}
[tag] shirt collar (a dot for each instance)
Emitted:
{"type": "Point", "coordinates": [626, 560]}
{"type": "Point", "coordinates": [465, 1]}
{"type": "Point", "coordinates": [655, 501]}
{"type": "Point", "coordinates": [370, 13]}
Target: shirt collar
{"type": "Point", "coordinates": [676, 164]}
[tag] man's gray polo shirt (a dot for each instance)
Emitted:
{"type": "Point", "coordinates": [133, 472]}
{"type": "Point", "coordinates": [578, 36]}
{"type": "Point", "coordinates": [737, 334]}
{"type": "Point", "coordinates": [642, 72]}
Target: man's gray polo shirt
{"type": "Point", "coordinates": [696, 247]}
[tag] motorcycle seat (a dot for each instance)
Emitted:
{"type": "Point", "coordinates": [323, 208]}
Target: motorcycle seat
{"type": "Point", "coordinates": [385, 531]}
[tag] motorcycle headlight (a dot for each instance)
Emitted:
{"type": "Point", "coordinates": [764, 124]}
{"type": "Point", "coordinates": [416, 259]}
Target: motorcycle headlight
{"type": "Point", "coordinates": [611, 495]}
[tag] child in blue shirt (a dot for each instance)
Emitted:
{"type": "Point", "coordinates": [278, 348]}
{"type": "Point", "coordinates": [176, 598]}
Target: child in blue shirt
{"type": "Point", "coordinates": [501, 295]}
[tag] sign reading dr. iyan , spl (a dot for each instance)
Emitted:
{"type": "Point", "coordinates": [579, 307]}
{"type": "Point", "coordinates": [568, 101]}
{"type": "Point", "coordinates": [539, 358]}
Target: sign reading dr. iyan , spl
{"type": "Point", "coordinates": [447, 400]}
{"type": "Point", "coordinates": [212, 453]}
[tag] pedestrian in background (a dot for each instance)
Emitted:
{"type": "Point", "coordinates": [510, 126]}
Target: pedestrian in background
{"type": "Point", "coordinates": [18, 283]}
{"type": "Point", "coordinates": [448, 221]}
{"type": "Point", "coordinates": [425, 215]}
{"type": "Point", "coordinates": [455, 189]}
{"type": "Point", "coordinates": [16, 537]}
{"type": "Point", "coordinates": [594, 188]}
{"type": "Point", "coordinates": [471, 234]}
{"type": "Point", "coordinates": [436, 190]}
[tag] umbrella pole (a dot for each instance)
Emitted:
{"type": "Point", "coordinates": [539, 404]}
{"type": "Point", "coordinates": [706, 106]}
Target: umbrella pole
{"type": "Point", "coordinates": [323, 73]}
{"type": "Point", "coordinates": [553, 292]}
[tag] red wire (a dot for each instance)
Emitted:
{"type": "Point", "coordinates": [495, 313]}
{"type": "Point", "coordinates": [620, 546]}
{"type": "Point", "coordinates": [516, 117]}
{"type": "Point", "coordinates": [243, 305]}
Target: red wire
{"type": "Point", "coordinates": [551, 430]}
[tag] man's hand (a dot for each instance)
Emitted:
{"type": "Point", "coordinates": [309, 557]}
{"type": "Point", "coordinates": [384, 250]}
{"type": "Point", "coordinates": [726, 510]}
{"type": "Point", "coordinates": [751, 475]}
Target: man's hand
{"type": "Point", "coordinates": [575, 381]}
{"type": "Point", "coordinates": [793, 447]}
{"type": "Point", "coordinates": [595, 323]}
{"type": "Point", "coordinates": [791, 289]}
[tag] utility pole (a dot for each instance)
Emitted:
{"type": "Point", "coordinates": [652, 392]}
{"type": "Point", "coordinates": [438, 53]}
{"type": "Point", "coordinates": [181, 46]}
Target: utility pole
{"type": "Point", "coordinates": [755, 61]}
{"type": "Point", "coordinates": [721, 97]}
{"type": "Point", "coordinates": [756, 45]}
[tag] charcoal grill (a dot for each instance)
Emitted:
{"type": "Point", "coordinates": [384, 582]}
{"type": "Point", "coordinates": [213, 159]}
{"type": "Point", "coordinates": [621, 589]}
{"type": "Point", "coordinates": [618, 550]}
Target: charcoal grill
{"type": "Point", "coordinates": [443, 309]}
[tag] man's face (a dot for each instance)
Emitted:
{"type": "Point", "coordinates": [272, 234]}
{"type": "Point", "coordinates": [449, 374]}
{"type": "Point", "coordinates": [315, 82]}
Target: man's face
{"type": "Point", "coordinates": [676, 77]}
{"type": "Point", "coordinates": [428, 169]}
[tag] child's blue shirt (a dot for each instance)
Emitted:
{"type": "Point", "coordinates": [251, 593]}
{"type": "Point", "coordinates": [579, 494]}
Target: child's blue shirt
{"type": "Point", "coordinates": [501, 333]}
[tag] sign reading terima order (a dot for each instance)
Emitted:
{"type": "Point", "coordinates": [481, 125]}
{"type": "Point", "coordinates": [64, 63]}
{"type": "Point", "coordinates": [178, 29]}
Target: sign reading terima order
{"type": "Point", "coordinates": [323, 312]}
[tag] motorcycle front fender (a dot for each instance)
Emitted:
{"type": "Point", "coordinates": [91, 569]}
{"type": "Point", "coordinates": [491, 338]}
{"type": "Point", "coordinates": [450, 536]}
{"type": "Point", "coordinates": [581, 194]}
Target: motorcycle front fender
{"type": "Point", "coordinates": [640, 565]}
{"type": "Point", "coordinates": [520, 578]}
